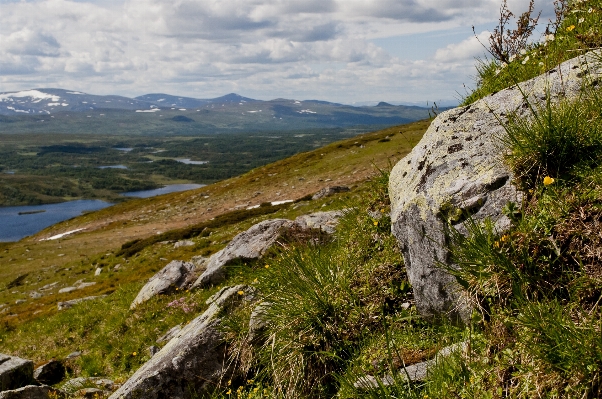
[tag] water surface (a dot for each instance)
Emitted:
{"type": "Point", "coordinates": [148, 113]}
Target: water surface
{"type": "Point", "coordinates": [13, 226]}
{"type": "Point", "coordinates": [187, 161]}
{"type": "Point", "coordinates": [113, 167]}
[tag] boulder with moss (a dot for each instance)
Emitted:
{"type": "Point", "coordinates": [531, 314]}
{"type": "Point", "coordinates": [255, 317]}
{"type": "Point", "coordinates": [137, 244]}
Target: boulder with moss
{"type": "Point", "coordinates": [457, 171]}
{"type": "Point", "coordinates": [194, 361]}
{"type": "Point", "coordinates": [250, 244]}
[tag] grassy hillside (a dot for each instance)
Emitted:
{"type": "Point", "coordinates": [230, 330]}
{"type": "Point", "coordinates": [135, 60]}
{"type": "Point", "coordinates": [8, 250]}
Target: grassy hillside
{"type": "Point", "coordinates": [345, 308]}
{"type": "Point", "coordinates": [76, 257]}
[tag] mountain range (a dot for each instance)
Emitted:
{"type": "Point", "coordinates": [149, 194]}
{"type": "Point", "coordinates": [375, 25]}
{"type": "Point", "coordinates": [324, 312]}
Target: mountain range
{"type": "Point", "coordinates": [33, 111]}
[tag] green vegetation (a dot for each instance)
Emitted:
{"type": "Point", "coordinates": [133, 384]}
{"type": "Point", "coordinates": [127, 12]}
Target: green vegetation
{"type": "Point", "coordinates": [53, 168]}
{"type": "Point", "coordinates": [575, 31]}
{"type": "Point", "coordinates": [342, 308]}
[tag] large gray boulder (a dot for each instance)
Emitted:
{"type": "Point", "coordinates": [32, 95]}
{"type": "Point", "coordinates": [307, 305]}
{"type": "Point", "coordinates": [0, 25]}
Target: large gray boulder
{"type": "Point", "coordinates": [250, 244]}
{"type": "Point", "coordinates": [14, 372]}
{"type": "Point", "coordinates": [457, 169]}
{"type": "Point", "coordinates": [192, 363]}
{"type": "Point", "coordinates": [177, 274]}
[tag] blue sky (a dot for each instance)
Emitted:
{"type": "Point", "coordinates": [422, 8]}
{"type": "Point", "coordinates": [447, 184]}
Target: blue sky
{"type": "Point", "coordinates": [348, 51]}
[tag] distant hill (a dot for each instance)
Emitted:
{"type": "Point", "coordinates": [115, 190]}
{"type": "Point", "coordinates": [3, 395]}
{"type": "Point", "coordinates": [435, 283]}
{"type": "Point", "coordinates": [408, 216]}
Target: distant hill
{"type": "Point", "coordinates": [64, 111]}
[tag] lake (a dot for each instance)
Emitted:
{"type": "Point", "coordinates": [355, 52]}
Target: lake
{"type": "Point", "coordinates": [171, 188]}
{"type": "Point", "coordinates": [33, 218]}
{"type": "Point", "coordinates": [113, 167]}
{"type": "Point", "coordinates": [187, 161]}
{"type": "Point", "coordinates": [13, 226]}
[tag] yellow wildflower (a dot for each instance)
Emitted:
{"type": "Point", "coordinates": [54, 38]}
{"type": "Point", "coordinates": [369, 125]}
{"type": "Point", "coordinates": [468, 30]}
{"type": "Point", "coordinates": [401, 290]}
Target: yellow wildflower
{"type": "Point", "coordinates": [505, 238]}
{"type": "Point", "coordinates": [496, 244]}
{"type": "Point", "coordinates": [570, 28]}
{"type": "Point", "coordinates": [134, 353]}
{"type": "Point", "coordinates": [548, 180]}
{"type": "Point", "coordinates": [229, 392]}
{"type": "Point", "coordinates": [267, 266]}
{"type": "Point", "coordinates": [376, 222]}
{"type": "Point", "coordinates": [241, 292]}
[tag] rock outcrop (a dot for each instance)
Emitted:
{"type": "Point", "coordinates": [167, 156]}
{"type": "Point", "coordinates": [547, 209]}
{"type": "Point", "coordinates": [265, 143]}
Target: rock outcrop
{"type": "Point", "coordinates": [457, 170]}
{"type": "Point", "coordinates": [177, 274]}
{"type": "Point", "coordinates": [15, 372]}
{"type": "Point", "coordinates": [194, 361]}
{"type": "Point", "coordinates": [251, 244]}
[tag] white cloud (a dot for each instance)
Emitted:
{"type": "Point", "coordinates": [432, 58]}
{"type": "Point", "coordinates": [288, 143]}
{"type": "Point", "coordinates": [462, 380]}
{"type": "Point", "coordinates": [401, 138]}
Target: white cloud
{"type": "Point", "coordinates": [262, 48]}
{"type": "Point", "coordinates": [466, 50]}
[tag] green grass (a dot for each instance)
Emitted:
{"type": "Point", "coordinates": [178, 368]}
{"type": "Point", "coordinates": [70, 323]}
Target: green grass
{"type": "Point", "coordinates": [337, 311]}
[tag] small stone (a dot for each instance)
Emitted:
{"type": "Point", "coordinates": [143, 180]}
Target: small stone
{"type": "Point", "coordinates": [85, 285]}
{"type": "Point", "coordinates": [184, 243]}
{"type": "Point", "coordinates": [49, 286]}
{"type": "Point", "coordinates": [98, 271]}
{"type": "Point", "coordinates": [117, 267]}
{"type": "Point", "coordinates": [35, 295]}
{"type": "Point", "coordinates": [73, 355]}
{"type": "Point", "coordinates": [20, 301]}
{"type": "Point", "coordinates": [71, 303]}
{"type": "Point", "coordinates": [67, 289]}
{"type": "Point", "coordinates": [328, 191]}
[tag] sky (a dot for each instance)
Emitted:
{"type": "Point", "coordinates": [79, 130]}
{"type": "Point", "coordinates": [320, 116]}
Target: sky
{"type": "Point", "coordinates": [345, 51]}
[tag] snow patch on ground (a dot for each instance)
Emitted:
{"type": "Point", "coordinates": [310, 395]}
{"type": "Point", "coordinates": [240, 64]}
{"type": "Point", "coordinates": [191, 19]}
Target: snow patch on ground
{"type": "Point", "coordinates": [56, 237]}
{"type": "Point", "coordinates": [148, 110]}
{"type": "Point", "coordinates": [274, 203]}
{"type": "Point", "coordinates": [34, 94]}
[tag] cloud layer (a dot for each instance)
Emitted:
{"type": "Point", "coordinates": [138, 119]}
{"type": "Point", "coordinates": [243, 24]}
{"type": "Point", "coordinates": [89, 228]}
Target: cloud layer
{"type": "Point", "coordinates": [260, 48]}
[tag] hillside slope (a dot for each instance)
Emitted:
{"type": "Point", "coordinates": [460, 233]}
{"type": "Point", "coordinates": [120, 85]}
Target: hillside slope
{"type": "Point", "coordinates": [100, 234]}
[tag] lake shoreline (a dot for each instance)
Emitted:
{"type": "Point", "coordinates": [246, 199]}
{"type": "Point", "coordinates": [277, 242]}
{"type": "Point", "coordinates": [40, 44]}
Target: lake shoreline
{"type": "Point", "coordinates": [18, 222]}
